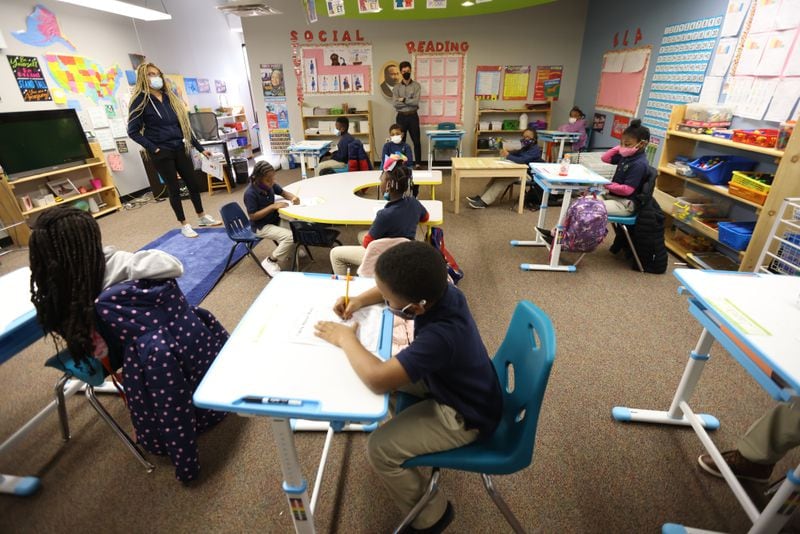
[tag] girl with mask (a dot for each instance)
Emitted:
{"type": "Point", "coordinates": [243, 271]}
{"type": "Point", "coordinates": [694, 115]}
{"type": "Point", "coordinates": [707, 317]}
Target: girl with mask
{"type": "Point", "coordinates": [632, 168]}
{"type": "Point", "coordinates": [158, 120]}
{"type": "Point", "coordinates": [576, 124]}
{"type": "Point", "coordinates": [396, 145]}
{"type": "Point", "coordinates": [528, 152]}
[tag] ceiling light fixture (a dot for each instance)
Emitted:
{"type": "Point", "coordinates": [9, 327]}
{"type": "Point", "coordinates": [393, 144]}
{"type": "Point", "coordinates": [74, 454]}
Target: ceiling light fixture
{"type": "Point", "coordinates": [468, 3]}
{"type": "Point", "coordinates": [122, 8]}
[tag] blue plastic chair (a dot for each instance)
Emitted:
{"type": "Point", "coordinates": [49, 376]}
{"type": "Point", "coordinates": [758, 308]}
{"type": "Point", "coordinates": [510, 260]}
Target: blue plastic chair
{"type": "Point", "coordinates": [523, 364]}
{"type": "Point", "coordinates": [238, 229]}
{"type": "Point", "coordinates": [446, 143]}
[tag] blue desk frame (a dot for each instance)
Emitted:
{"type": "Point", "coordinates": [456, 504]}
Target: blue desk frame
{"type": "Point", "coordinates": [443, 135]}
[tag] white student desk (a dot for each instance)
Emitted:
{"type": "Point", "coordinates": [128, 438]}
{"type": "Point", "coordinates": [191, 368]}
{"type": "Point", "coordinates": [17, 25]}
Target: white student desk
{"type": "Point", "coordinates": [486, 168]}
{"type": "Point", "coordinates": [546, 176]}
{"type": "Point", "coordinates": [442, 135]}
{"type": "Point", "coordinates": [295, 380]}
{"type": "Point", "coordinates": [755, 317]}
{"type": "Point", "coordinates": [555, 136]}
{"type": "Point", "coordinates": [312, 149]}
{"type": "Point", "coordinates": [331, 199]}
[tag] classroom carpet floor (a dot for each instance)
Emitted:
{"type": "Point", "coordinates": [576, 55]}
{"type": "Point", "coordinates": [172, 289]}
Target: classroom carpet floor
{"type": "Point", "coordinates": [623, 339]}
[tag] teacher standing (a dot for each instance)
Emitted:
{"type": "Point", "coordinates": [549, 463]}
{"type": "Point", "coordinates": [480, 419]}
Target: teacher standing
{"type": "Point", "coordinates": [405, 98]}
{"type": "Point", "coordinates": [158, 121]}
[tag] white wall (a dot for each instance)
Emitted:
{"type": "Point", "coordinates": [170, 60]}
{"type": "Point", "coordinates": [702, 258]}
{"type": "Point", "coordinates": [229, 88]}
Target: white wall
{"type": "Point", "coordinates": [550, 34]}
{"type": "Point", "coordinates": [196, 43]}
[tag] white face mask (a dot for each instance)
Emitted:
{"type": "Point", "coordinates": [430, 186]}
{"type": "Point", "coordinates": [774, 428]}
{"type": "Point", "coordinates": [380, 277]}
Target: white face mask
{"type": "Point", "coordinates": [156, 82]}
{"type": "Point", "coordinates": [396, 139]}
{"type": "Point", "coordinates": [573, 120]}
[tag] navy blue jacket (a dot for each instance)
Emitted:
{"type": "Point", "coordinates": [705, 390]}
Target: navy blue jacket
{"type": "Point", "coordinates": [390, 148]}
{"type": "Point", "coordinates": [161, 126]}
{"type": "Point", "coordinates": [342, 153]}
{"type": "Point", "coordinates": [526, 155]}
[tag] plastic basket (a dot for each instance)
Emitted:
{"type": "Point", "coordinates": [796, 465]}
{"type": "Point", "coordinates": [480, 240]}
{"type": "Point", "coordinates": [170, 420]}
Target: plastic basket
{"type": "Point", "coordinates": [789, 254]}
{"type": "Point", "coordinates": [721, 172]}
{"type": "Point", "coordinates": [736, 234]}
{"type": "Point", "coordinates": [753, 180]}
{"type": "Point", "coordinates": [687, 208]}
{"type": "Point", "coordinates": [746, 193]}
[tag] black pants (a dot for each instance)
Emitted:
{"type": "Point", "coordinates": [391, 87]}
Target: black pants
{"type": "Point", "coordinates": [170, 163]}
{"type": "Point", "coordinates": [410, 125]}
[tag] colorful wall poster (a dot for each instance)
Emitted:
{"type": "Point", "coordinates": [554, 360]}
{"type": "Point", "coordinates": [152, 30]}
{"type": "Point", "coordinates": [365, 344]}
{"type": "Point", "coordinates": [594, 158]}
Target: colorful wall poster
{"type": "Point", "coordinates": [442, 80]}
{"type": "Point", "coordinates": [192, 88]}
{"type": "Point", "coordinates": [403, 4]}
{"type": "Point", "coordinates": [335, 8]}
{"type": "Point", "coordinates": [41, 29]}
{"type": "Point", "coordinates": [369, 6]}
{"type": "Point", "coordinates": [548, 82]}
{"type": "Point", "coordinates": [487, 82]}
{"type": "Point", "coordinates": [174, 83]}
{"type": "Point", "coordinates": [599, 122]}
{"type": "Point", "coordinates": [81, 75]}
{"type": "Point", "coordinates": [311, 10]}
{"type": "Point", "coordinates": [203, 86]}
{"type": "Point", "coordinates": [437, 4]}
{"type": "Point", "coordinates": [618, 126]}
{"type": "Point", "coordinates": [220, 87]}
{"type": "Point", "coordinates": [272, 81]}
{"type": "Point", "coordinates": [30, 78]}
{"type": "Point", "coordinates": [516, 79]}
{"type": "Point", "coordinates": [337, 69]}
{"type": "Point", "coordinates": [277, 111]}
{"type": "Point", "coordinates": [390, 76]}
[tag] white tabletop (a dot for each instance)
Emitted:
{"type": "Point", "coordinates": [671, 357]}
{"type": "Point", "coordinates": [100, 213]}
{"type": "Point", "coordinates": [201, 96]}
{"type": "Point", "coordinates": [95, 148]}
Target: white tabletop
{"type": "Point", "coordinates": [578, 174]}
{"type": "Point", "coordinates": [557, 134]}
{"type": "Point", "coordinates": [17, 307]}
{"type": "Point", "coordinates": [762, 309]}
{"type": "Point", "coordinates": [309, 146]}
{"type": "Point", "coordinates": [331, 199]}
{"type": "Point", "coordinates": [262, 359]}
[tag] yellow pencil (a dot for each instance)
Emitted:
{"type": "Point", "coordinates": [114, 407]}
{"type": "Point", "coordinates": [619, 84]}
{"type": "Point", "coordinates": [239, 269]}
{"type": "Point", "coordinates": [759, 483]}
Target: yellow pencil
{"type": "Point", "coordinates": [347, 289]}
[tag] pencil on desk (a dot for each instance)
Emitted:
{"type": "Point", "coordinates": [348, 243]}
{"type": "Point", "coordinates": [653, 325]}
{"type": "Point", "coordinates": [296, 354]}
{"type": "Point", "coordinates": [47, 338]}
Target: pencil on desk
{"type": "Point", "coordinates": [347, 289]}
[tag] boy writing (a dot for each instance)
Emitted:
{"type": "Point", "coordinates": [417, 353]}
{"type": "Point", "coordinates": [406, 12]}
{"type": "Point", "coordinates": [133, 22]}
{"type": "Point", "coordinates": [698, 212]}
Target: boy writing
{"type": "Point", "coordinates": [446, 366]}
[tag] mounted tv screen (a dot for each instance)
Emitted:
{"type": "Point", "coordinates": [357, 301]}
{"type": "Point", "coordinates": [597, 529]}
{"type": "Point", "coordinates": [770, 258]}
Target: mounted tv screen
{"type": "Point", "coordinates": [33, 142]}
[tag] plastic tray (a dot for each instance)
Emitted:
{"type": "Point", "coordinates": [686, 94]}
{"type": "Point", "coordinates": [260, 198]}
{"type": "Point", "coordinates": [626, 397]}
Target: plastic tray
{"type": "Point", "coordinates": [687, 208]}
{"type": "Point", "coordinates": [736, 234]}
{"type": "Point", "coordinates": [747, 193]}
{"type": "Point", "coordinates": [753, 180]}
{"type": "Point", "coordinates": [720, 173]}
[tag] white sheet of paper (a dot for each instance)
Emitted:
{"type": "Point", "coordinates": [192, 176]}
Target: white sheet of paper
{"type": "Point", "coordinates": [775, 53]}
{"type": "Point", "coordinates": [766, 16]}
{"type": "Point", "coordinates": [212, 167]}
{"type": "Point", "coordinates": [98, 116]}
{"type": "Point", "coordinates": [450, 107]}
{"type": "Point", "coordinates": [755, 105]}
{"type": "Point", "coordinates": [634, 60]}
{"type": "Point", "coordinates": [423, 67]}
{"type": "Point", "coordinates": [425, 86]}
{"type": "Point", "coordinates": [723, 55]}
{"type": "Point", "coordinates": [734, 16]}
{"type": "Point", "coordinates": [437, 66]}
{"type": "Point", "coordinates": [710, 92]}
{"type": "Point", "coordinates": [85, 120]}
{"type": "Point", "coordinates": [451, 87]}
{"type": "Point", "coordinates": [368, 319]}
{"type": "Point", "coordinates": [752, 50]}
{"type": "Point", "coordinates": [119, 128]}
{"type": "Point", "coordinates": [425, 107]}
{"type": "Point", "coordinates": [437, 87]}
{"type": "Point", "coordinates": [437, 107]}
{"type": "Point", "coordinates": [613, 61]}
{"type": "Point", "coordinates": [451, 66]}
{"type": "Point", "coordinates": [793, 64]}
{"type": "Point", "coordinates": [739, 91]}
{"type": "Point", "coordinates": [788, 15]}
{"type": "Point", "coordinates": [784, 100]}
{"type": "Point", "coordinates": [104, 137]}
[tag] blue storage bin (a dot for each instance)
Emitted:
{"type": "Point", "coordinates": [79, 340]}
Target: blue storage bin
{"type": "Point", "coordinates": [721, 173]}
{"type": "Point", "coordinates": [736, 234]}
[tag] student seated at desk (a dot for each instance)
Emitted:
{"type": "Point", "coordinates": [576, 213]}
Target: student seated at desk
{"type": "Point", "coordinates": [765, 443]}
{"type": "Point", "coordinates": [339, 157]}
{"type": "Point", "coordinates": [259, 199]}
{"type": "Point", "coordinates": [127, 309]}
{"type": "Point", "coordinates": [576, 124]}
{"type": "Point", "coordinates": [446, 366]}
{"type": "Point", "coordinates": [399, 218]}
{"type": "Point", "coordinates": [632, 169]}
{"type": "Point", "coordinates": [528, 153]}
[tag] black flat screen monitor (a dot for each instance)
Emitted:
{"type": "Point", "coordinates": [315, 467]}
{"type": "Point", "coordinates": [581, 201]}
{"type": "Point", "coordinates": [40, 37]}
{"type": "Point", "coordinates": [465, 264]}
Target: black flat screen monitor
{"type": "Point", "coordinates": [33, 142]}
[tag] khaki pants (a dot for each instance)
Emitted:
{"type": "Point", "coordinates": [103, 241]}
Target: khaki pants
{"type": "Point", "coordinates": [772, 436]}
{"type": "Point", "coordinates": [425, 427]}
{"type": "Point", "coordinates": [284, 238]}
{"type": "Point", "coordinates": [496, 188]}
{"type": "Point", "coordinates": [619, 206]}
{"type": "Point", "coordinates": [348, 256]}
{"type": "Point", "coordinates": [329, 164]}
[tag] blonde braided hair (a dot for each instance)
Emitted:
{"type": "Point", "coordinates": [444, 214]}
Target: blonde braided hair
{"type": "Point", "coordinates": [142, 87]}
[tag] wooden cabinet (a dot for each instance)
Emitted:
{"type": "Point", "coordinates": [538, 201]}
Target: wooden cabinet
{"type": "Point", "coordinates": [670, 185]}
{"type": "Point", "coordinates": [492, 117]}
{"type": "Point", "coordinates": [360, 128]}
{"type": "Point", "coordinates": [81, 176]}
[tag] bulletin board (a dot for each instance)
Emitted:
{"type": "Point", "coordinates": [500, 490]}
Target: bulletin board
{"type": "Point", "coordinates": [622, 80]}
{"type": "Point", "coordinates": [340, 69]}
{"type": "Point", "coordinates": [442, 79]}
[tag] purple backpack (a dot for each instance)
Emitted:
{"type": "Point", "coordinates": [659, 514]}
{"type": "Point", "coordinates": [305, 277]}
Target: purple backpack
{"type": "Point", "coordinates": [585, 226]}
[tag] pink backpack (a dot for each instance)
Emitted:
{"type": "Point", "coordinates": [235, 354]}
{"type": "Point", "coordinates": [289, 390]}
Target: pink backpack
{"type": "Point", "coordinates": [585, 226]}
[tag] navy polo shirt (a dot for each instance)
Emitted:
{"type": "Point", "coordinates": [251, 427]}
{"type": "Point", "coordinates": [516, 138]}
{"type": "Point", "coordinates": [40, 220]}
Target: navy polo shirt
{"type": "Point", "coordinates": [448, 355]}
{"type": "Point", "coordinates": [631, 170]}
{"type": "Point", "coordinates": [399, 218]}
{"type": "Point", "coordinates": [256, 199]}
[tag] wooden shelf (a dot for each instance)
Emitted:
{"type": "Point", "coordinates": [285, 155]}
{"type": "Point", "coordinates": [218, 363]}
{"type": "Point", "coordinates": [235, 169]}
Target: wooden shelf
{"type": "Point", "coordinates": [334, 135]}
{"type": "Point", "coordinates": [53, 173]}
{"type": "Point", "coordinates": [310, 122]}
{"type": "Point", "coordinates": [522, 110]}
{"type": "Point", "coordinates": [718, 189]}
{"type": "Point", "coordinates": [364, 114]}
{"type": "Point", "coordinates": [500, 131]}
{"type": "Point", "coordinates": [68, 200]}
{"type": "Point", "coordinates": [679, 250]}
{"type": "Point", "coordinates": [726, 142]}
{"type": "Point", "coordinates": [488, 150]}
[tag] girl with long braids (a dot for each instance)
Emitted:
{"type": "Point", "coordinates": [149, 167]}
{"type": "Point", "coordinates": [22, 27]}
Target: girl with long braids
{"type": "Point", "coordinates": [159, 122]}
{"type": "Point", "coordinates": [102, 302]}
{"type": "Point", "coordinates": [398, 218]}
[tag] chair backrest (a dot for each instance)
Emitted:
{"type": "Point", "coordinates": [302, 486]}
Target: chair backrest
{"type": "Point", "coordinates": [523, 364]}
{"type": "Point", "coordinates": [204, 125]}
{"type": "Point", "coordinates": [374, 250]}
{"type": "Point", "coordinates": [446, 126]}
{"type": "Point", "coordinates": [235, 221]}
{"type": "Point", "coordinates": [313, 234]}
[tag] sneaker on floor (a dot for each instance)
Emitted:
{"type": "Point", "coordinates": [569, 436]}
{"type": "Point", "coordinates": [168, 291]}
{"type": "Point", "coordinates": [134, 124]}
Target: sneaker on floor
{"type": "Point", "coordinates": [188, 231]}
{"type": "Point", "coordinates": [271, 267]}
{"type": "Point", "coordinates": [208, 220]}
{"type": "Point", "coordinates": [417, 167]}
{"type": "Point", "coordinates": [473, 199]}
{"type": "Point", "coordinates": [301, 253]}
{"type": "Point", "coordinates": [478, 204]}
{"type": "Point", "coordinates": [742, 467]}
{"type": "Point", "coordinates": [439, 526]}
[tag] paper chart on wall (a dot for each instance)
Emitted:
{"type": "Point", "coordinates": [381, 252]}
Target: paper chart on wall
{"type": "Point", "coordinates": [775, 53]}
{"type": "Point", "coordinates": [437, 87]}
{"type": "Point", "coordinates": [423, 67]}
{"type": "Point", "coordinates": [784, 100]}
{"type": "Point", "coordinates": [450, 108]}
{"type": "Point", "coordinates": [734, 16]}
{"type": "Point", "coordinates": [425, 86]}
{"type": "Point", "coordinates": [788, 15]}
{"type": "Point", "coordinates": [755, 103]}
{"type": "Point", "coordinates": [424, 107]}
{"type": "Point", "coordinates": [451, 87]}
{"type": "Point", "coordinates": [750, 56]}
{"type": "Point", "coordinates": [105, 138]}
{"type": "Point", "coordinates": [726, 48]}
{"type": "Point", "coordinates": [437, 66]}
{"type": "Point", "coordinates": [793, 64]}
{"type": "Point", "coordinates": [437, 107]}
{"type": "Point", "coordinates": [119, 128]}
{"type": "Point", "coordinates": [98, 117]}
{"type": "Point", "coordinates": [765, 16]}
{"type": "Point", "coordinates": [711, 88]}
{"type": "Point", "coordinates": [86, 121]}
{"type": "Point", "coordinates": [451, 66]}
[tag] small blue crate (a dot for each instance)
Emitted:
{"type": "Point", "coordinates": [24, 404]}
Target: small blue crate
{"type": "Point", "coordinates": [721, 173]}
{"type": "Point", "coordinates": [736, 234]}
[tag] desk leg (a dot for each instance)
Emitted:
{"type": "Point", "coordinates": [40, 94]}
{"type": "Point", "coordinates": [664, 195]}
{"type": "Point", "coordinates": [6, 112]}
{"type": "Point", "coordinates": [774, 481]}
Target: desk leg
{"type": "Point", "coordinates": [560, 150]}
{"type": "Point", "coordinates": [294, 485]}
{"type": "Point", "coordinates": [457, 197]}
{"type": "Point", "coordinates": [555, 248]}
{"type": "Point", "coordinates": [303, 174]}
{"type": "Point", "coordinates": [675, 416]}
{"type": "Point", "coordinates": [523, 181]}
{"type": "Point", "coordinates": [540, 222]}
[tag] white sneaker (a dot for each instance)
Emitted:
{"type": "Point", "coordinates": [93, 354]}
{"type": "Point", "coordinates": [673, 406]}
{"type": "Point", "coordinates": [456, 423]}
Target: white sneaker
{"type": "Point", "coordinates": [271, 267]}
{"type": "Point", "coordinates": [188, 231]}
{"type": "Point", "coordinates": [208, 220]}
